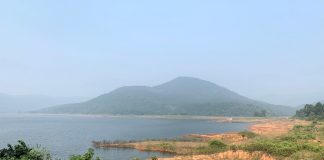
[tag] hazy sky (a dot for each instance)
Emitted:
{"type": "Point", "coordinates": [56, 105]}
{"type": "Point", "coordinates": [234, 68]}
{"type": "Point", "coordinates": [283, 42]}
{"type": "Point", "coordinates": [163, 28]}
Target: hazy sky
{"type": "Point", "coordinates": [268, 50]}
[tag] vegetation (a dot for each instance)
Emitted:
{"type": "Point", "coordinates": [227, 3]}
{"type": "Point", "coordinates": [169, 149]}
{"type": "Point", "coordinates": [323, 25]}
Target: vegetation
{"type": "Point", "coordinates": [21, 151]}
{"type": "Point", "coordinates": [214, 146]}
{"type": "Point", "coordinates": [247, 134]}
{"type": "Point", "coordinates": [283, 148]}
{"type": "Point", "coordinates": [301, 142]}
{"type": "Point", "coordinates": [89, 155]}
{"type": "Point", "coordinates": [262, 113]}
{"type": "Point", "coordinates": [154, 158]}
{"type": "Point", "coordinates": [217, 144]}
{"type": "Point", "coordinates": [311, 112]}
{"type": "Point", "coordinates": [178, 146]}
{"type": "Point", "coordinates": [167, 146]}
{"type": "Point", "coordinates": [293, 144]}
{"type": "Point", "coordinates": [174, 98]}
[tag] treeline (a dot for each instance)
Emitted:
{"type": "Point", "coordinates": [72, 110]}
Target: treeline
{"type": "Point", "coordinates": [311, 111]}
{"type": "Point", "coordinates": [21, 151]}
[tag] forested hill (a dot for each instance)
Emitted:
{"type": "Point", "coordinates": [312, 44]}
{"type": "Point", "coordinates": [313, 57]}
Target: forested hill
{"type": "Point", "coordinates": [181, 96]}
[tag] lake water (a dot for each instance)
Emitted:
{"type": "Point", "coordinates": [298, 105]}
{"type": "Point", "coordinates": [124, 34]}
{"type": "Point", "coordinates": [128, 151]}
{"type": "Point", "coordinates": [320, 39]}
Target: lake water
{"type": "Point", "coordinates": [64, 135]}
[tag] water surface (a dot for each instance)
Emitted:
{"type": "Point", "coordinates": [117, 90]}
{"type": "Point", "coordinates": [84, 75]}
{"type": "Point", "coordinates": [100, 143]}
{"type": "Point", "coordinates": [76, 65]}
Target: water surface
{"type": "Point", "coordinates": [64, 135]}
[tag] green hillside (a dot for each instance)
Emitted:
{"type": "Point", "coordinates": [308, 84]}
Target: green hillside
{"type": "Point", "coordinates": [181, 96]}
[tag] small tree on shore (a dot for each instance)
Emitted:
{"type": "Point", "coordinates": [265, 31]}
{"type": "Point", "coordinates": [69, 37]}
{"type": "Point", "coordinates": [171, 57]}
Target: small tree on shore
{"type": "Point", "coordinates": [89, 155]}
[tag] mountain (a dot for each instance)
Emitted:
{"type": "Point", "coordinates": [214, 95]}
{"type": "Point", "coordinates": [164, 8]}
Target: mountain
{"type": "Point", "coordinates": [23, 103]}
{"type": "Point", "coordinates": [181, 96]}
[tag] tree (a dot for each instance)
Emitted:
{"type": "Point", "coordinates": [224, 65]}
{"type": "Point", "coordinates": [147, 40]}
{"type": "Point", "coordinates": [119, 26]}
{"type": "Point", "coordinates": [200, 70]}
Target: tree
{"type": "Point", "coordinates": [22, 152]}
{"type": "Point", "coordinates": [87, 156]}
{"type": "Point", "coordinates": [311, 111]}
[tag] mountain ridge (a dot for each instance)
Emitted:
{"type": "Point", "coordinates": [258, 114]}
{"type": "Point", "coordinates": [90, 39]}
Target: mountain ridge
{"type": "Point", "coordinates": [180, 96]}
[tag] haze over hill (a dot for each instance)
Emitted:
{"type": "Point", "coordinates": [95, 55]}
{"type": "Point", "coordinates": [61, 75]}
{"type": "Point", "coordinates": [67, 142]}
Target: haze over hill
{"type": "Point", "coordinates": [23, 103]}
{"type": "Point", "coordinates": [181, 96]}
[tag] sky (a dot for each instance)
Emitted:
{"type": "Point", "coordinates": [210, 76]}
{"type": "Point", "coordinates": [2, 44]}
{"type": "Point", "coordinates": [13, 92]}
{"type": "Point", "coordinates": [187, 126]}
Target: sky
{"type": "Point", "coordinates": [266, 50]}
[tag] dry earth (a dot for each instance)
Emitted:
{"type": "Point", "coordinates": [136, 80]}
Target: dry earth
{"type": "Point", "coordinates": [265, 127]}
{"type": "Point", "coordinates": [228, 155]}
{"type": "Point", "coordinates": [276, 127]}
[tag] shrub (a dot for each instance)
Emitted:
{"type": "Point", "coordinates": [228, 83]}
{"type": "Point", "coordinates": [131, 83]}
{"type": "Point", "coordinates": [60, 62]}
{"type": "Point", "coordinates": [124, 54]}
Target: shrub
{"type": "Point", "coordinates": [207, 150]}
{"type": "Point", "coordinates": [306, 155]}
{"type": "Point", "coordinates": [15, 152]}
{"type": "Point", "coordinates": [87, 156]}
{"type": "Point", "coordinates": [22, 152]}
{"type": "Point", "coordinates": [279, 147]}
{"type": "Point", "coordinates": [167, 146]}
{"type": "Point", "coordinates": [217, 144]}
{"type": "Point", "coordinates": [283, 148]}
{"type": "Point", "coordinates": [234, 148]}
{"type": "Point", "coordinates": [37, 154]}
{"type": "Point", "coordinates": [247, 134]}
{"type": "Point", "coordinates": [296, 137]}
{"type": "Point", "coordinates": [154, 158]}
{"type": "Point", "coordinates": [213, 147]}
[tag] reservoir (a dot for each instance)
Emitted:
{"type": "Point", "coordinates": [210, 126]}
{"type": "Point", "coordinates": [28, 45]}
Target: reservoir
{"type": "Point", "coordinates": [64, 135]}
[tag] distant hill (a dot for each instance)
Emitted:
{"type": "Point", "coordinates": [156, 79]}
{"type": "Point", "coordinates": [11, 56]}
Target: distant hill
{"type": "Point", "coordinates": [181, 96]}
{"type": "Point", "coordinates": [23, 103]}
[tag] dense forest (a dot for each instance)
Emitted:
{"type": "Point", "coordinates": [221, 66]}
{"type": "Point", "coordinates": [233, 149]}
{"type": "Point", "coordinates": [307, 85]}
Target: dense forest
{"type": "Point", "coordinates": [311, 111]}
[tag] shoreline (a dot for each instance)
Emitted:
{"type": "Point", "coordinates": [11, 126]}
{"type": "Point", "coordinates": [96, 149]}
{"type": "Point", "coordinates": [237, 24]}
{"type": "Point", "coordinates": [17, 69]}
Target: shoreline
{"type": "Point", "coordinates": [262, 128]}
{"type": "Point", "coordinates": [230, 119]}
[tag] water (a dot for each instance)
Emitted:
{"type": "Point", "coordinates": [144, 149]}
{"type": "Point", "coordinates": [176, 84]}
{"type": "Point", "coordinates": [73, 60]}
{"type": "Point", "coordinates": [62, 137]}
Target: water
{"type": "Point", "coordinates": [64, 135]}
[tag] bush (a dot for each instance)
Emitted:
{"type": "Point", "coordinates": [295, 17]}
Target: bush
{"type": "Point", "coordinates": [296, 137]}
{"type": "Point", "coordinates": [283, 148]}
{"type": "Point", "coordinates": [306, 155]}
{"type": "Point", "coordinates": [22, 152]}
{"type": "Point", "coordinates": [37, 154]}
{"type": "Point", "coordinates": [87, 156]}
{"type": "Point", "coordinates": [154, 158]}
{"type": "Point", "coordinates": [247, 134]}
{"type": "Point", "coordinates": [15, 152]}
{"type": "Point", "coordinates": [213, 147]}
{"type": "Point", "coordinates": [234, 147]}
{"type": "Point", "coordinates": [217, 144]}
{"type": "Point", "coordinates": [167, 146]}
{"type": "Point", "coordinates": [279, 147]}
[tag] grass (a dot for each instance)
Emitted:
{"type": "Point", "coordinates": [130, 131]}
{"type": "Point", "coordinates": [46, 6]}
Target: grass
{"type": "Point", "coordinates": [248, 134]}
{"type": "Point", "coordinates": [169, 147]}
{"type": "Point", "coordinates": [301, 142]}
{"type": "Point", "coordinates": [293, 144]}
{"type": "Point", "coordinates": [281, 148]}
{"type": "Point", "coordinates": [213, 147]}
{"type": "Point", "coordinates": [306, 155]}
